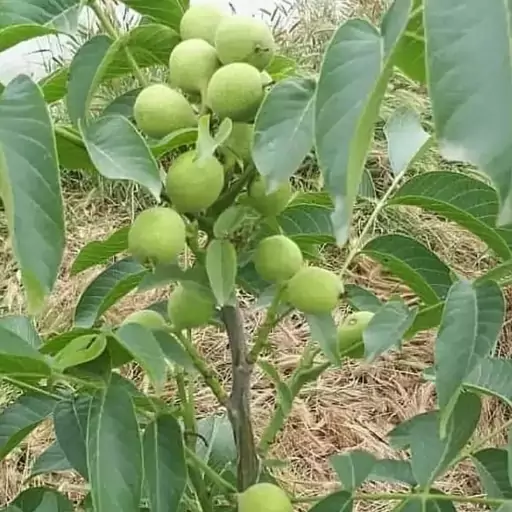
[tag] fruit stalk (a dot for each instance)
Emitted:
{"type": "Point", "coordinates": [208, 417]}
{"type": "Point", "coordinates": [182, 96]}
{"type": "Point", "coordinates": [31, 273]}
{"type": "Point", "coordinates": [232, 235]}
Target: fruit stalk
{"type": "Point", "coordinates": [112, 32]}
{"type": "Point", "coordinates": [240, 409]}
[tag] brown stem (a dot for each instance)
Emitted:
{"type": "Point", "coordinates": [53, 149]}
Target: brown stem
{"type": "Point", "coordinates": [240, 405]}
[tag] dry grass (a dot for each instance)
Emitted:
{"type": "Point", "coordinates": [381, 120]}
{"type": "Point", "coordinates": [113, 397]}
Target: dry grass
{"type": "Point", "coordinates": [352, 407]}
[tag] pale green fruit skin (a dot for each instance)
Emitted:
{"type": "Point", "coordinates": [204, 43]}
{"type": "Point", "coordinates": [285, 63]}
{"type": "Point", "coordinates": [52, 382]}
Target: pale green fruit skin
{"type": "Point", "coordinates": [244, 39]}
{"type": "Point", "coordinates": [188, 307]}
{"type": "Point", "coordinates": [157, 234]}
{"type": "Point", "coordinates": [266, 79]}
{"type": "Point", "coordinates": [235, 91]}
{"type": "Point", "coordinates": [201, 22]}
{"type": "Point", "coordinates": [240, 141]}
{"type": "Point", "coordinates": [277, 258]}
{"type": "Point", "coordinates": [269, 205]}
{"type": "Point", "coordinates": [350, 333]}
{"type": "Point", "coordinates": [193, 184]}
{"type": "Point", "coordinates": [264, 497]}
{"type": "Point", "coordinates": [192, 64]}
{"type": "Point", "coordinates": [314, 290]}
{"type": "Point", "coordinates": [152, 320]}
{"type": "Point", "coordinates": [160, 110]}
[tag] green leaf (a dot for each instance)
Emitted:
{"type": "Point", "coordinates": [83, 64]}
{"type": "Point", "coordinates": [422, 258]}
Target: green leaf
{"type": "Point", "coordinates": [391, 470]}
{"type": "Point", "coordinates": [34, 214]}
{"type": "Point", "coordinates": [410, 54]}
{"type": "Point", "coordinates": [308, 219]}
{"type": "Point", "coordinates": [340, 501]}
{"type": "Point", "coordinates": [175, 140]}
{"type": "Point", "coordinates": [361, 299]}
{"type": "Point", "coordinates": [283, 130]}
{"type": "Point", "coordinates": [353, 467]}
{"type": "Point", "coordinates": [165, 468]}
{"type": "Point", "coordinates": [471, 322]}
{"type": "Point", "coordinates": [221, 266]}
{"type": "Point", "coordinates": [501, 274]}
{"type": "Point", "coordinates": [413, 263]}
{"type": "Point", "coordinates": [106, 289]}
{"type": "Point", "coordinates": [18, 358]}
{"type": "Point", "coordinates": [162, 275]}
{"type": "Point", "coordinates": [387, 328]}
{"type": "Point", "coordinates": [114, 452]}
{"type": "Point", "coordinates": [355, 71]}
{"type": "Point", "coordinates": [492, 466]}
{"type": "Point", "coordinates": [42, 499]}
{"type": "Point", "coordinates": [123, 105]}
{"type": "Point", "coordinates": [100, 252]}
{"type": "Point", "coordinates": [281, 67]}
{"type": "Point", "coordinates": [168, 12]}
{"type": "Point", "coordinates": [52, 460]}
{"type": "Point", "coordinates": [57, 342]}
{"type": "Point", "coordinates": [462, 199]}
{"type": "Point", "coordinates": [367, 187]}
{"type": "Point", "coordinates": [418, 504]}
{"type": "Point", "coordinates": [323, 330]}
{"type": "Point", "coordinates": [22, 417]}
{"type": "Point", "coordinates": [232, 219]}
{"type": "Point", "coordinates": [70, 422]}
{"type": "Point", "coordinates": [174, 352]}
{"type": "Point", "coordinates": [473, 123]}
{"type": "Point", "coordinates": [406, 138]}
{"type": "Point", "coordinates": [21, 326]}
{"type": "Point", "coordinates": [21, 21]}
{"type": "Point", "coordinates": [85, 67]}
{"type": "Point", "coordinates": [71, 150]}
{"type": "Point", "coordinates": [55, 85]}
{"type": "Point", "coordinates": [431, 455]}
{"type": "Point", "coordinates": [81, 350]}
{"type": "Point", "coordinates": [119, 152]}
{"type": "Point", "coordinates": [146, 350]}
{"type": "Point", "coordinates": [426, 318]}
{"type": "Point", "coordinates": [216, 442]}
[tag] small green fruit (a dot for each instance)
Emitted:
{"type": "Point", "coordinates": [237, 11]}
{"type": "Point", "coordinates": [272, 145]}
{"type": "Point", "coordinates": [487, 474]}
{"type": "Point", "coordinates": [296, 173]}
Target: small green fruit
{"type": "Point", "coordinates": [314, 290]}
{"type": "Point", "coordinates": [350, 333]}
{"type": "Point", "coordinates": [148, 318]}
{"type": "Point", "coordinates": [269, 205]}
{"type": "Point", "coordinates": [277, 258]}
{"type": "Point", "coordinates": [160, 110]}
{"type": "Point", "coordinates": [201, 22]}
{"type": "Point", "coordinates": [240, 141]}
{"type": "Point", "coordinates": [192, 64]}
{"type": "Point", "coordinates": [194, 184]}
{"type": "Point", "coordinates": [157, 234]}
{"type": "Point", "coordinates": [264, 497]}
{"type": "Point", "coordinates": [189, 307]}
{"type": "Point", "coordinates": [244, 39]}
{"type": "Point", "coordinates": [235, 91]}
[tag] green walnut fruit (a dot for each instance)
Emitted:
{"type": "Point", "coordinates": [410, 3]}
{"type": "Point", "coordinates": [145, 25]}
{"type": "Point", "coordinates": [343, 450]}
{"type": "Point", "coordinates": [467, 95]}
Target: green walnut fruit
{"type": "Point", "coordinates": [192, 64]}
{"type": "Point", "coordinates": [269, 205]}
{"type": "Point", "coordinates": [244, 39]}
{"type": "Point", "coordinates": [350, 334]}
{"type": "Point", "coordinates": [239, 141]}
{"type": "Point", "coordinates": [314, 290]}
{"type": "Point", "coordinates": [157, 235]}
{"type": "Point", "coordinates": [235, 91]}
{"type": "Point", "coordinates": [264, 497]}
{"type": "Point", "coordinates": [193, 184]}
{"type": "Point", "coordinates": [160, 110]}
{"type": "Point", "coordinates": [277, 258]}
{"type": "Point", "coordinates": [152, 320]}
{"type": "Point", "coordinates": [189, 307]}
{"type": "Point", "coordinates": [201, 22]}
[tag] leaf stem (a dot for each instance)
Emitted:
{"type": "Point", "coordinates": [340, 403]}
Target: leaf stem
{"type": "Point", "coordinates": [369, 223]}
{"type": "Point", "coordinates": [227, 199]}
{"type": "Point", "coordinates": [29, 387]}
{"type": "Point", "coordinates": [209, 375]}
{"type": "Point", "coordinates": [264, 330]}
{"type": "Point", "coordinates": [114, 34]}
{"type": "Point", "coordinates": [209, 472]}
{"type": "Point", "coordinates": [476, 500]}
